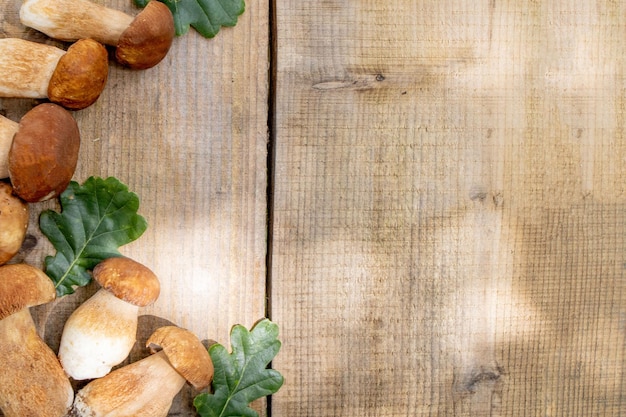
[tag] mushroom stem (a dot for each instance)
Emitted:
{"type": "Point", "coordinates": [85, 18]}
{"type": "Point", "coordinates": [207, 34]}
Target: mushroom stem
{"type": "Point", "coordinates": [27, 67]}
{"type": "Point", "coordinates": [73, 79]}
{"type": "Point", "coordinates": [141, 41]}
{"type": "Point", "coordinates": [98, 335]}
{"type": "Point", "coordinates": [32, 382]}
{"type": "Point", "coordinates": [8, 128]}
{"type": "Point", "coordinates": [102, 331]}
{"type": "Point", "coordinates": [145, 388]}
{"type": "Point", "coordinates": [70, 20]}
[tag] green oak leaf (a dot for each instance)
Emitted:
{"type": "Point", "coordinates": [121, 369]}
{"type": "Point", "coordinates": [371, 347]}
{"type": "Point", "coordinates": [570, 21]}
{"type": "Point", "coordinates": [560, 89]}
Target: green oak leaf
{"type": "Point", "coordinates": [206, 16]}
{"type": "Point", "coordinates": [96, 219]}
{"type": "Point", "coordinates": [242, 376]}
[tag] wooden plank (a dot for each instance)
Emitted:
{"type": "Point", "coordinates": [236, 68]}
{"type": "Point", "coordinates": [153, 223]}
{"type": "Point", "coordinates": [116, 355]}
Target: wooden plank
{"type": "Point", "coordinates": [448, 220]}
{"type": "Point", "coordinates": [190, 138]}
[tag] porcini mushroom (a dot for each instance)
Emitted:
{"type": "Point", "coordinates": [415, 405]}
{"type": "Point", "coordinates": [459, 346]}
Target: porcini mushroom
{"type": "Point", "coordinates": [146, 388]}
{"type": "Point", "coordinates": [44, 153]}
{"type": "Point", "coordinates": [73, 79]}
{"type": "Point", "coordinates": [32, 382]}
{"type": "Point", "coordinates": [7, 130]}
{"type": "Point", "coordinates": [100, 333]}
{"type": "Point", "coordinates": [13, 222]}
{"type": "Point", "coordinates": [141, 42]}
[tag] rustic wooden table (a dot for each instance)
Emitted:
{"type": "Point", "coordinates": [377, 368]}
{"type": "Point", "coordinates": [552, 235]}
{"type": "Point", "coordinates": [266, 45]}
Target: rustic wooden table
{"type": "Point", "coordinates": [445, 229]}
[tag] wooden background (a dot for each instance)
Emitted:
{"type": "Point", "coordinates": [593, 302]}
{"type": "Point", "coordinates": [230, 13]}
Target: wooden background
{"type": "Point", "coordinates": [444, 233]}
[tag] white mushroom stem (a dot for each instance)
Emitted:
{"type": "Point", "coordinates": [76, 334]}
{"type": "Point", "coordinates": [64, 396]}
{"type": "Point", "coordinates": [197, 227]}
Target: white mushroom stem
{"type": "Point", "coordinates": [32, 382]}
{"type": "Point", "coordinates": [98, 335]}
{"type": "Point", "coordinates": [73, 79]}
{"type": "Point", "coordinates": [70, 20]}
{"type": "Point", "coordinates": [7, 131]}
{"type": "Point", "coordinates": [145, 388]}
{"type": "Point", "coordinates": [26, 67]}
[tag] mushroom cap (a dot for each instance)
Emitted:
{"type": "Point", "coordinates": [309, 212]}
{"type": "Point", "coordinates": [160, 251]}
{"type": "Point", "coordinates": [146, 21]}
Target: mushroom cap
{"type": "Point", "coordinates": [128, 280]}
{"type": "Point", "coordinates": [44, 153]}
{"type": "Point", "coordinates": [148, 38]}
{"type": "Point", "coordinates": [80, 75]}
{"type": "Point", "coordinates": [23, 286]}
{"type": "Point", "coordinates": [26, 67]}
{"type": "Point", "coordinates": [14, 215]}
{"type": "Point", "coordinates": [185, 352]}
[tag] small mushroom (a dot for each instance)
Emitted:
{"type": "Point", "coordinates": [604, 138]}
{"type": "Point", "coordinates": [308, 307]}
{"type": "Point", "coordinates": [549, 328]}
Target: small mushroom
{"type": "Point", "coordinates": [13, 222]}
{"type": "Point", "coordinates": [44, 153]}
{"type": "Point", "coordinates": [100, 333]}
{"type": "Point", "coordinates": [32, 382]}
{"type": "Point", "coordinates": [140, 42]}
{"type": "Point", "coordinates": [146, 388]}
{"type": "Point", "coordinates": [73, 79]}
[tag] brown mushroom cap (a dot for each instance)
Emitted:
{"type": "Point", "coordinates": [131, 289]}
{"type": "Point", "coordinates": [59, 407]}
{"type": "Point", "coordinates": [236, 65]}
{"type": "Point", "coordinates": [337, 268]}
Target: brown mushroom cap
{"type": "Point", "coordinates": [44, 153]}
{"type": "Point", "coordinates": [13, 222]}
{"type": "Point", "coordinates": [186, 354]}
{"type": "Point", "coordinates": [128, 280]}
{"type": "Point", "coordinates": [148, 38]}
{"type": "Point", "coordinates": [22, 286]}
{"type": "Point", "coordinates": [80, 75]}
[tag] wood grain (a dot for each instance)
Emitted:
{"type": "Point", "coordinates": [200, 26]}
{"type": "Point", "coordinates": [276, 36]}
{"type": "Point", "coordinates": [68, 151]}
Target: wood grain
{"type": "Point", "coordinates": [190, 138]}
{"type": "Point", "coordinates": [448, 219]}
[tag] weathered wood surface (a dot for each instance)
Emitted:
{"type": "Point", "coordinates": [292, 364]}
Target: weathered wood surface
{"type": "Point", "coordinates": [448, 200]}
{"type": "Point", "coordinates": [190, 138]}
{"type": "Point", "coordinates": [449, 208]}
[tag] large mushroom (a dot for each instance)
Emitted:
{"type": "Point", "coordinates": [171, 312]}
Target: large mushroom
{"type": "Point", "coordinates": [13, 222]}
{"type": "Point", "coordinates": [73, 79]}
{"type": "Point", "coordinates": [100, 333]}
{"type": "Point", "coordinates": [146, 388]}
{"type": "Point", "coordinates": [140, 42]}
{"type": "Point", "coordinates": [43, 153]}
{"type": "Point", "coordinates": [32, 382]}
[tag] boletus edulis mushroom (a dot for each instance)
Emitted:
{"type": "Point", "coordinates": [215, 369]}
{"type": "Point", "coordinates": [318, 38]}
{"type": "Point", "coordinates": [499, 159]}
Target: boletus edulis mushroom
{"type": "Point", "coordinates": [140, 42]}
{"type": "Point", "coordinates": [100, 333]}
{"type": "Point", "coordinates": [43, 153]}
{"type": "Point", "coordinates": [32, 382]}
{"type": "Point", "coordinates": [7, 130]}
{"type": "Point", "coordinates": [73, 79]}
{"type": "Point", "coordinates": [13, 222]}
{"type": "Point", "coordinates": [146, 388]}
